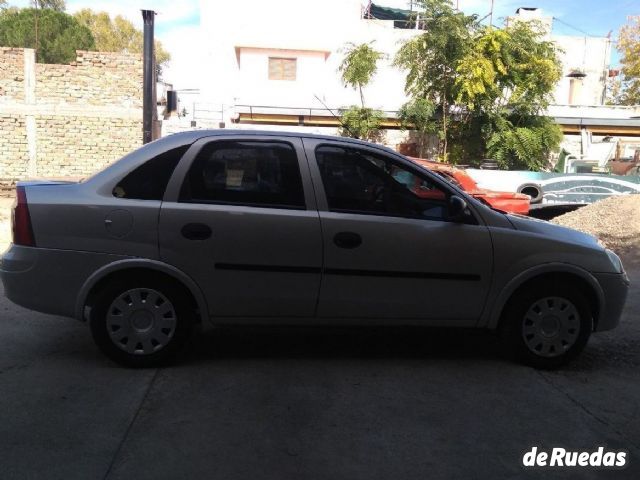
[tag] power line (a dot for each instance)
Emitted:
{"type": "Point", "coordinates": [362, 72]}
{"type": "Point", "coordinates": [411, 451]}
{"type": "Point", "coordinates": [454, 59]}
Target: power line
{"type": "Point", "coordinates": [575, 28]}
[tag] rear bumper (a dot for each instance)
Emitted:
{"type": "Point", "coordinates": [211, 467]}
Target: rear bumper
{"type": "Point", "coordinates": [615, 287]}
{"type": "Point", "coordinates": [48, 280]}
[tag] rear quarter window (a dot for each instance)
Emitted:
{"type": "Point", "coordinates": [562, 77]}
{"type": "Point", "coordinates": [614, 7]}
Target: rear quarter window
{"type": "Point", "coordinates": [149, 180]}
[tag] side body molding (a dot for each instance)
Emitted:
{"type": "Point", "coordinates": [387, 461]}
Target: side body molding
{"type": "Point", "coordinates": [148, 265]}
{"type": "Point", "coordinates": [499, 302]}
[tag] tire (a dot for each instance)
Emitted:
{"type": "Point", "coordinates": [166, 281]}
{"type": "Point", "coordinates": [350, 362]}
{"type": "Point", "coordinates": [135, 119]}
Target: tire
{"type": "Point", "coordinates": [547, 325]}
{"type": "Point", "coordinates": [142, 322]}
{"type": "Point", "coordinates": [533, 190]}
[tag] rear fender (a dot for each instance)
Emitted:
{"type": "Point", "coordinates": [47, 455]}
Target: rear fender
{"type": "Point", "coordinates": [152, 265]}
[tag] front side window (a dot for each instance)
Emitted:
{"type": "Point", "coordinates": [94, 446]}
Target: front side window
{"type": "Point", "coordinates": [149, 180]}
{"type": "Point", "coordinates": [358, 181]}
{"type": "Point", "coordinates": [260, 174]}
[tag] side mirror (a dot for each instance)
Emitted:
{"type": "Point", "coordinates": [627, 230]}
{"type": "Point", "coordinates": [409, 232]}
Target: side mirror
{"type": "Point", "coordinates": [457, 207]}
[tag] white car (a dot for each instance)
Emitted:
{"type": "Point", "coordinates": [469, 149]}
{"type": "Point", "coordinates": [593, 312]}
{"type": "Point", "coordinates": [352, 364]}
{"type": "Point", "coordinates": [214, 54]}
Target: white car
{"type": "Point", "coordinates": [245, 227]}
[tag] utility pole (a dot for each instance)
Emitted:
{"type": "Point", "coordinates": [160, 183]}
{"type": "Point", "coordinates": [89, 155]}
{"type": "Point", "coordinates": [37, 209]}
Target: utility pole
{"type": "Point", "coordinates": [148, 78]}
{"type": "Point", "coordinates": [491, 15]}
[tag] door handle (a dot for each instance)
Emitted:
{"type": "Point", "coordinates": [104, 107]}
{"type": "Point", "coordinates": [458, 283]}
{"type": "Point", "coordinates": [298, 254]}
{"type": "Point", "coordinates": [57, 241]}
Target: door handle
{"type": "Point", "coordinates": [196, 231]}
{"type": "Point", "coordinates": [347, 240]}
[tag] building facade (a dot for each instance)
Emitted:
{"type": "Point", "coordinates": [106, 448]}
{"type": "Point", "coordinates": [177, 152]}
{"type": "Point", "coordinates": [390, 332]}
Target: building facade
{"type": "Point", "coordinates": [275, 65]}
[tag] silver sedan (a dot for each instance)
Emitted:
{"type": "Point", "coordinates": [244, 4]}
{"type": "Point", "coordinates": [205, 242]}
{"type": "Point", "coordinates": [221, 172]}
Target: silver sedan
{"type": "Point", "coordinates": [246, 227]}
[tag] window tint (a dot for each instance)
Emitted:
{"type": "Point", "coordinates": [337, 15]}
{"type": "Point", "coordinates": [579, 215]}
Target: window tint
{"type": "Point", "coordinates": [261, 174]}
{"type": "Point", "coordinates": [358, 181]}
{"type": "Point", "coordinates": [149, 180]}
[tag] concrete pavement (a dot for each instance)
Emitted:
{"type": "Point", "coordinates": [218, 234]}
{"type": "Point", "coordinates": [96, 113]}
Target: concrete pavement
{"type": "Point", "coordinates": [316, 404]}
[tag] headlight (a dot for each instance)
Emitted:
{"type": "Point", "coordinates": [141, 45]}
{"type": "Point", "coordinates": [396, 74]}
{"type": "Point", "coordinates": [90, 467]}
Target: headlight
{"type": "Point", "coordinates": [615, 261]}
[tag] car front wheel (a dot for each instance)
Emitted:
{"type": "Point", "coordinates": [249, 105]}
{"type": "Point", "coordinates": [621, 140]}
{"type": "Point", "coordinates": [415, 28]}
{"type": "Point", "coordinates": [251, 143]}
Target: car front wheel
{"type": "Point", "coordinates": [141, 323]}
{"type": "Point", "coordinates": [546, 326]}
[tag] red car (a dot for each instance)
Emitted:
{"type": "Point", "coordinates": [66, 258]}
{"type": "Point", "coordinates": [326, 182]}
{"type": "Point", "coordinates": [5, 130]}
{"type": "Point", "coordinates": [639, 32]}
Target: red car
{"type": "Point", "coordinates": [506, 201]}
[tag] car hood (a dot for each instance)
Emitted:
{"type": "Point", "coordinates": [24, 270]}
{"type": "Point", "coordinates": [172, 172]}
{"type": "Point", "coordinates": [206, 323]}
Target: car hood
{"type": "Point", "coordinates": [542, 227]}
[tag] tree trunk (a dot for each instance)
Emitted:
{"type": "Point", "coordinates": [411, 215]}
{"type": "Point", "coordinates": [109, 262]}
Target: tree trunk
{"type": "Point", "coordinates": [361, 96]}
{"type": "Point", "coordinates": [444, 129]}
{"type": "Point", "coordinates": [36, 30]}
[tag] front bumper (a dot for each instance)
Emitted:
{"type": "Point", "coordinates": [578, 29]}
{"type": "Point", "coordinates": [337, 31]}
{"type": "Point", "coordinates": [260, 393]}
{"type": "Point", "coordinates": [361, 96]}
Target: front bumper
{"type": "Point", "coordinates": [48, 280]}
{"type": "Point", "coordinates": [615, 287]}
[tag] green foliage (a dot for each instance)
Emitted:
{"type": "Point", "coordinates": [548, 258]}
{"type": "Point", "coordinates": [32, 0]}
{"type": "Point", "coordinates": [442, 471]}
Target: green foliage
{"type": "Point", "coordinates": [118, 35]}
{"type": "Point", "coordinates": [431, 59]}
{"type": "Point", "coordinates": [627, 91]}
{"type": "Point", "coordinates": [514, 66]}
{"type": "Point", "coordinates": [359, 65]}
{"type": "Point", "coordinates": [57, 5]}
{"type": "Point", "coordinates": [524, 146]}
{"type": "Point", "coordinates": [59, 34]}
{"type": "Point", "coordinates": [488, 86]}
{"type": "Point", "coordinates": [362, 123]}
{"type": "Point", "coordinates": [417, 114]}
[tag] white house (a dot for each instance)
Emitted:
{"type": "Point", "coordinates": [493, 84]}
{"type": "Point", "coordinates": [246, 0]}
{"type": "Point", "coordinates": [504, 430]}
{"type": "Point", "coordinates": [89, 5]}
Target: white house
{"type": "Point", "coordinates": [275, 64]}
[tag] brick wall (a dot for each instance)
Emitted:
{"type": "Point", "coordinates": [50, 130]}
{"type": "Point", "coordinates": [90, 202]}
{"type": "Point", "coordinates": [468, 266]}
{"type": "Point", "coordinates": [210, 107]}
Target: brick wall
{"type": "Point", "coordinates": [67, 120]}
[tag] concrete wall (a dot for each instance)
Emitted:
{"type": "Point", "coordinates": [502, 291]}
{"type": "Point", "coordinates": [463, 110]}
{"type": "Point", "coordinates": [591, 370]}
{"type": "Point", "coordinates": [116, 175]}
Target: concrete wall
{"type": "Point", "coordinates": [67, 120]}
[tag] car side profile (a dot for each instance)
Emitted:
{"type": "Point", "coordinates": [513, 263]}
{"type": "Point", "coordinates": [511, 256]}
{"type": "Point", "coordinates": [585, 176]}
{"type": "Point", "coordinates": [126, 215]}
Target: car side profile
{"type": "Point", "coordinates": [247, 227]}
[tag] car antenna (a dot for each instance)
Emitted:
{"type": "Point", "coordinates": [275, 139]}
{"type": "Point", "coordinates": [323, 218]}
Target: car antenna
{"type": "Point", "coordinates": [336, 117]}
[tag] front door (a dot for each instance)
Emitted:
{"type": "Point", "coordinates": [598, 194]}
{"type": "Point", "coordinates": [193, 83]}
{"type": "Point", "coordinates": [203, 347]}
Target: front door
{"type": "Point", "coordinates": [238, 219]}
{"type": "Point", "coordinates": [390, 249]}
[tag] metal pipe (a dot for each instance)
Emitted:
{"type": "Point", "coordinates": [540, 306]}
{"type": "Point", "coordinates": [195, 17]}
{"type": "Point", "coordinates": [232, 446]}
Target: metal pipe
{"type": "Point", "coordinates": [148, 79]}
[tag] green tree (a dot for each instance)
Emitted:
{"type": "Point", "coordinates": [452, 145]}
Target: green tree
{"type": "Point", "coordinates": [431, 59]}
{"type": "Point", "coordinates": [417, 114]}
{"type": "Point", "coordinates": [629, 47]}
{"type": "Point", "coordinates": [59, 35]}
{"type": "Point", "coordinates": [506, 82]}
{"type": "Point", "coordinates": [57, 5]}
{"type": "Point", "coordinates": [118, 35]}
{"type": "Point", "coordinates": [361, 122]}
{"type": "Point", "coordinates": [358, 67]}
{"type": "Point", "coordinates": [489, 86]}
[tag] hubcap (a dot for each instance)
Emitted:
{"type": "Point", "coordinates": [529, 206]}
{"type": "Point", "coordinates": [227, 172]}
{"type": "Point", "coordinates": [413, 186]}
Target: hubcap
{"type": "Point", "coordinates": [141, 321]}
{"type": "Point", "coordinates": [551, 326]}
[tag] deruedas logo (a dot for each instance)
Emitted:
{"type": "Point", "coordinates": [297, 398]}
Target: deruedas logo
{"type": "Point", "coordinates": [560, 457]}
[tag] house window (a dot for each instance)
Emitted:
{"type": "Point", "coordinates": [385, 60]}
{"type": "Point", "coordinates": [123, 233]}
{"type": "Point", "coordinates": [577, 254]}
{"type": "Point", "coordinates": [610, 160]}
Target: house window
{"type": "Point", "coordinates": [282, 68]}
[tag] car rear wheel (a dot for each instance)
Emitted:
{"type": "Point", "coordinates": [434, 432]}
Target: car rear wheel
{"type": "Point", "coordinates": [546, 326]}
{"type": "Point", "coordinates": [141, 322]}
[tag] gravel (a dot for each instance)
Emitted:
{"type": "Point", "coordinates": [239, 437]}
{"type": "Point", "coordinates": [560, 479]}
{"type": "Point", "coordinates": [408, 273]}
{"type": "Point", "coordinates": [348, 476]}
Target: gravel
{"type": "Point", "coordinates": [614, 220]}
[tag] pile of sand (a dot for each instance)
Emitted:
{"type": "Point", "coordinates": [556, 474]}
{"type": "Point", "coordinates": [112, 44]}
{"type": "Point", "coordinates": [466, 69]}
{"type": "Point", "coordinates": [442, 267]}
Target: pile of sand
{"type": "Point", "coordinates": [615, 220]}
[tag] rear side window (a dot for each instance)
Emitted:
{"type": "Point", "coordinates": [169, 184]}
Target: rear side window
{"type": "Point", "coordinates": [258, 174]}
{"type": "Point", "coordinates": [149, 180]}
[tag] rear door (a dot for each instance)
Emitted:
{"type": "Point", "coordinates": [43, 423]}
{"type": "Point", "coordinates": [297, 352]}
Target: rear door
{"type": "Point", "coordinates": [240, 218]}
{"type": "Point", "coordinates": [391, 252]}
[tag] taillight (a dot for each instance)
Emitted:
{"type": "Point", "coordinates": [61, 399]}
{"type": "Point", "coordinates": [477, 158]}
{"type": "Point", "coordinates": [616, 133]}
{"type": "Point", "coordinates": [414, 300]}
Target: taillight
{"type": "Point", "coordinates": [21, 220]}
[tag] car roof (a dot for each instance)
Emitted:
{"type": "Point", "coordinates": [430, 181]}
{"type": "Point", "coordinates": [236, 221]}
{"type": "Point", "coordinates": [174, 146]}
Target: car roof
{"type": "Point", "coordinates": [191, 136]}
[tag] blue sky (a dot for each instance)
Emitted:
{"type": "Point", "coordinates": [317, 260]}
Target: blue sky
{"type": "Point", "coordinates": [178, 20]}
{"type": "Point", "coordinates": [593, 17]}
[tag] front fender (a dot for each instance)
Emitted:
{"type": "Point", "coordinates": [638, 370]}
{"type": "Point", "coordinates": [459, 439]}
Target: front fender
{"type": "Point", "coordinates": [492, 319]}
{"type": "Point", "coordinates": [145, 264]}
